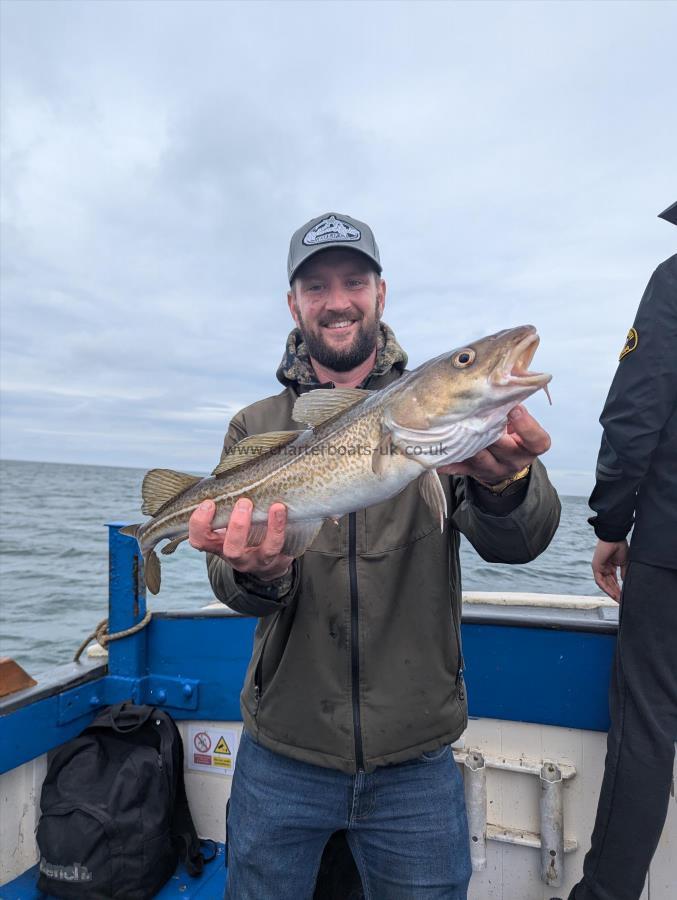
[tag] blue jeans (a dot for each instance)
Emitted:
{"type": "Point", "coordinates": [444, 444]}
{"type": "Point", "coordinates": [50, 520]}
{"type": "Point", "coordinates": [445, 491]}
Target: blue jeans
{"type": "Point", "coordinates": [406, 826]}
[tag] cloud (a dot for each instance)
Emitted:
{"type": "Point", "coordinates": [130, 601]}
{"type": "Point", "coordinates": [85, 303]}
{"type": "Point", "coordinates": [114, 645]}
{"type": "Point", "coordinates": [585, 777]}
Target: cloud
{"type": "Point", "coordinates": [511, 158]}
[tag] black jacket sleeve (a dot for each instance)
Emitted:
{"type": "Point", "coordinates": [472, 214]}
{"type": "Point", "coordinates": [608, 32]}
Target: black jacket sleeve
{"type": "Point", "coordinates": [242, 593]}
{"type": "Point", "coordinates": [641, 399]}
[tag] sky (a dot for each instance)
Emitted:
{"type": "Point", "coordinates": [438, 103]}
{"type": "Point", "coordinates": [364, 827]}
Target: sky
{"type": "Point", "coordinates": [511, 159]}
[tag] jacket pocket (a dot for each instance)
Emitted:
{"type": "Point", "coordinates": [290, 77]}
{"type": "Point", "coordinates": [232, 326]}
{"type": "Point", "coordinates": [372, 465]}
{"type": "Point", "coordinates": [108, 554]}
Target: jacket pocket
{"type": "Point", "coordinates": [258, 672]}
{"type": "Point", "coordinates": [273, 645]}
{"type": "Point", "coordinates": [80, 851]}
{"type": "Point", "coordinates": [455, 617]}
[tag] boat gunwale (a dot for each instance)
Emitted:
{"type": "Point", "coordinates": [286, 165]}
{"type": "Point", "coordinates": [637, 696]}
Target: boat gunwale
{"type": "Point", "coordinates": [55, 681]}
{"type": "Point", "coordinates": [599, 619]}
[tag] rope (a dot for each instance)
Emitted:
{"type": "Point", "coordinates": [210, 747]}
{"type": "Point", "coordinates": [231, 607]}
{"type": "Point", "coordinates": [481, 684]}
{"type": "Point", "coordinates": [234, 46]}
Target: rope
{"type": "Point", "coordinates": [102, 636]}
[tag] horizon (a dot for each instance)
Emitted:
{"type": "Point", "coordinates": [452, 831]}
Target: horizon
{"type": "Point", "coordinates": [554, 476]}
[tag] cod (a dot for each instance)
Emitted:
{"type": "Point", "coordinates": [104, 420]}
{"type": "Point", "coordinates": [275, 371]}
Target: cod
{"type": "Point", "coordinates": [356, 448]}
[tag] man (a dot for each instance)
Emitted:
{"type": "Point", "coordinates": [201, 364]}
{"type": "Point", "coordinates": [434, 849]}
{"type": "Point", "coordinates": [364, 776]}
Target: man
{"type": "Point", "coordinates": [637, 479]}
{"type": "Point", "coordinates": [355, 688]}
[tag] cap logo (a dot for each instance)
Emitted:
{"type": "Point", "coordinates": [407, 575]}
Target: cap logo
{"type": "Point", "coordinates": [331, 229]}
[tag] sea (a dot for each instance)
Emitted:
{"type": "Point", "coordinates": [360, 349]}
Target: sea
{"type": "Point", "coordinates": [54, 558]}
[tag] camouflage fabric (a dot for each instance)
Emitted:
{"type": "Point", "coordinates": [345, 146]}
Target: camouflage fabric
{"type": "Point", "coordinates": [296, 367]}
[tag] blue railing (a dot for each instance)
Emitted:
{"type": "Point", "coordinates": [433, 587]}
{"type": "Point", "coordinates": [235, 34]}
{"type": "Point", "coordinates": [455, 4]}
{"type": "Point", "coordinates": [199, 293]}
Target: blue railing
{"type": "Point", "coordinates": [525, 667]}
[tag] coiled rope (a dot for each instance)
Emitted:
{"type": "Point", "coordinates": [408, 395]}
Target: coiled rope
{"type": "Point", "coordinates": [103, 637]}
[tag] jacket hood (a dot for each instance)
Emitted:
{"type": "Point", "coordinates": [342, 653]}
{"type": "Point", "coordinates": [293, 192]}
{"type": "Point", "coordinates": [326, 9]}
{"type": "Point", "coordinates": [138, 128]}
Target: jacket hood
{"type": "Point", "coordinates": [296, 368]}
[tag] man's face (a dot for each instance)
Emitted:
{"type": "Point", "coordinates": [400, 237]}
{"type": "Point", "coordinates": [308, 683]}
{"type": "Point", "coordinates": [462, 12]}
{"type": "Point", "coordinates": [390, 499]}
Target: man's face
{"type": "Point", "coordinates": [337, 301]}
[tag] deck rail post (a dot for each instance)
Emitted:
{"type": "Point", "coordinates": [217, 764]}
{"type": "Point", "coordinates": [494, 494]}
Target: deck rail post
{"type": "Point", "coordinates": [552, 824]}
{"type": "Point", "coordinates": [549, 841]}
{"type": "Point", "coordinates": [126, 605]}
{"type": "Point", "coordinates": [475, 782]}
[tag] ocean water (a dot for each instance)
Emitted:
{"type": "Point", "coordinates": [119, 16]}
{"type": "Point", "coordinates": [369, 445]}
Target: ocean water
{"type": "Point", "coordinates": [54, 558]}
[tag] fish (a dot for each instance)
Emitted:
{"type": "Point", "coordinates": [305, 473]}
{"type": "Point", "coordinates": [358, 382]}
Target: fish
{"type": "Point", "coordinates": [355, 448]}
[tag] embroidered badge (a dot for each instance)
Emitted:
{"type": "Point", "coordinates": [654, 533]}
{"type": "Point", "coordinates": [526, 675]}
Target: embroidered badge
{"type": "Point", "coordinates": [631, 342]}
{"type": "Point", "coordinates": [331, 229]}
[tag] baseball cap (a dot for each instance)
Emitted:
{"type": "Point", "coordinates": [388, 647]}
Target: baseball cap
{"type": "Point", "coordinates": [330, 230]}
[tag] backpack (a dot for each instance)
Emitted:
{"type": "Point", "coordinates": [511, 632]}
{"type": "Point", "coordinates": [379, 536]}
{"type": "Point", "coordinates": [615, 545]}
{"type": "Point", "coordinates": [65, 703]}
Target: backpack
{"type": "Point", "coordinates": [115, 818]}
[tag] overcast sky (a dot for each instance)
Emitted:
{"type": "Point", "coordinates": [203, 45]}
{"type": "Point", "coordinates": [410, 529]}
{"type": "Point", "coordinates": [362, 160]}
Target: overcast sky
{"type": "Point", "coordinates": [510, 157]}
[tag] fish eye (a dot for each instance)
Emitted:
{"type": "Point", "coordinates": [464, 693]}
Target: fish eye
{"type": "Point", "coordinates": [464, 358]}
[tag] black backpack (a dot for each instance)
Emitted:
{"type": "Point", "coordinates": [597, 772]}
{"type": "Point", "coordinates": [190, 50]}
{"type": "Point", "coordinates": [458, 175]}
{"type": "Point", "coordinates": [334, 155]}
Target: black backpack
{"type": "Point", "coordinates": [115, 818]}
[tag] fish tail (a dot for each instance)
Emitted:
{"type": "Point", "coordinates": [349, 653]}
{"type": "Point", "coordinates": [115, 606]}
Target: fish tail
{"type": "Point", "coordinates": [151, 561]}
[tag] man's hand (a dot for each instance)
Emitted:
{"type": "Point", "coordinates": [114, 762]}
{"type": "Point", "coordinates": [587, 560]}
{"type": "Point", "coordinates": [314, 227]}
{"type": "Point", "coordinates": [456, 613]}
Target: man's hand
{"type": "Point", "coordinates": [523, 441]}
{"type": "Point", "coordinates": [265, 562]}
{"type": "Point", "coordinates": [609, 556]}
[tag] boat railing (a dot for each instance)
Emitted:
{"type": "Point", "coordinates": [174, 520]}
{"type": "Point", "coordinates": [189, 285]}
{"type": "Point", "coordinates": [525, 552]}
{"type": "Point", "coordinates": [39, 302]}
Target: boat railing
{"type": "Point", "coordinates": [192, 662]}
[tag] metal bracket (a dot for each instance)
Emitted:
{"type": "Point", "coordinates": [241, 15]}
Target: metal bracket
{"type": "Point", "coordinates": [522, 764]}
{"type": "Point", "coordinates": [156, 690]}
{"type": "Point", "coordinates": [550, 841]}
{"type": "Point", "coordinates": [506, 835]}
{"type": "Point", "coordinates": [163, 690]}
{"type": "Point", "coordinates": [86, 698]}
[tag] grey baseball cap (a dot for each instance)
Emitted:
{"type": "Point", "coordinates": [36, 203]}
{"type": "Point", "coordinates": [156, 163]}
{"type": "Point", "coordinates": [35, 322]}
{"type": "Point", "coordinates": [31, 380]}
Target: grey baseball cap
{"type": "Point", "coordinates": [328, 231]}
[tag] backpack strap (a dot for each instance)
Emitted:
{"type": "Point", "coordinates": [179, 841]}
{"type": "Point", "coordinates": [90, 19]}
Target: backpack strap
{"type": "Point", "coordinates": [124, 718]}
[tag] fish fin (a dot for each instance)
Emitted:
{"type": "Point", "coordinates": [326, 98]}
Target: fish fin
{"type": "Point", "coordinates": [162, 485]}
{"type": "Point", "coordinates": [131, 530]}
{"type": "Point", "coordinates": [151, 571]}
{"type": "Point", "coordinates": [253, 447]}
{"type": "Point", "coordinates": [172, 545]}
{"type": "Point", "coordinates": [320, 405]}
{"type": "Point", "coordinates": [300, 535]}
{"type": "Point", "coordinates": [257, 532]}
{"type": "Point", "coordinates": [381, 454]}
{"type": "Point", "coordinates": [432, 492]}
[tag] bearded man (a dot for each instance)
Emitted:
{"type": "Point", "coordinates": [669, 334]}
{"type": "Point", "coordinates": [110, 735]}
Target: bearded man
{"type": "Point", "coordinates": [355, 690]}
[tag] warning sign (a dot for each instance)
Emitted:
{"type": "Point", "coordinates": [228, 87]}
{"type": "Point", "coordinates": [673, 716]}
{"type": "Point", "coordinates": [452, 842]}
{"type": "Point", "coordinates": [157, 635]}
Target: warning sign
{"type": "Point", "coordinates": [202, 742]}
{"type": "Point", "coordinates": [222, 746]}
{"type": "Point", "coordinates": [212, 750]}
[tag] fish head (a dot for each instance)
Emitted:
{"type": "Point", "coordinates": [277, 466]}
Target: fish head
{"type": "Point", "coordinates": [477, 383]}
{"type": "Point", "coordinates": [493, 372]}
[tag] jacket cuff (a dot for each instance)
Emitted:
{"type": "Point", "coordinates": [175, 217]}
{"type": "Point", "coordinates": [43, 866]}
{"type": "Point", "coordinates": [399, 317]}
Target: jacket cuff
{"type": "Point", "coordinates": [607, 532]}
{"type": "Point", "coordinates": [498, 504]}
{"type": "Point", "coordinates": [240, 599]}
{"type": "Point", "coordinates": [275, 590]}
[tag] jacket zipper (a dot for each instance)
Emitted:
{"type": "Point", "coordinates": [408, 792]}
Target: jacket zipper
{"type": "Point", "coordinates": [355, 638]}
{"type": "Point", "coordinates": [258, 672]}
{"type": "Point", "coordinates": [459, 671]}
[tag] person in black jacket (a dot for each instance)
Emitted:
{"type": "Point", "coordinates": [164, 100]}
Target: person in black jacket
{"type": "Point", "coordinates": [636, 483]}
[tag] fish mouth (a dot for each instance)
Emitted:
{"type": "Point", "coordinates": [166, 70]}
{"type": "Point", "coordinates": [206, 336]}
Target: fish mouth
{"type": "Point", "coordinates": [514, 368]}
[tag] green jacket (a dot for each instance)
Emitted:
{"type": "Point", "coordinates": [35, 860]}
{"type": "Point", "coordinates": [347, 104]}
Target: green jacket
{"type": "Point", "coordinates": [357, 660]}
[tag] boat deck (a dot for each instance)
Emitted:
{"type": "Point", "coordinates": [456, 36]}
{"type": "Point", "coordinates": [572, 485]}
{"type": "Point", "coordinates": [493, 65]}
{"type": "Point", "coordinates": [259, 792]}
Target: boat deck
{"type": "Point", "coordinates": [209, 886]}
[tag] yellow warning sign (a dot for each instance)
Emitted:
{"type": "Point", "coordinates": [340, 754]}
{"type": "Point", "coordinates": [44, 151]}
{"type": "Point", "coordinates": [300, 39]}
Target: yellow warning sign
{"type": "Point", "coordinates": [223, 763]}
{"type": "Point", "coordinates": [222, 747]}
